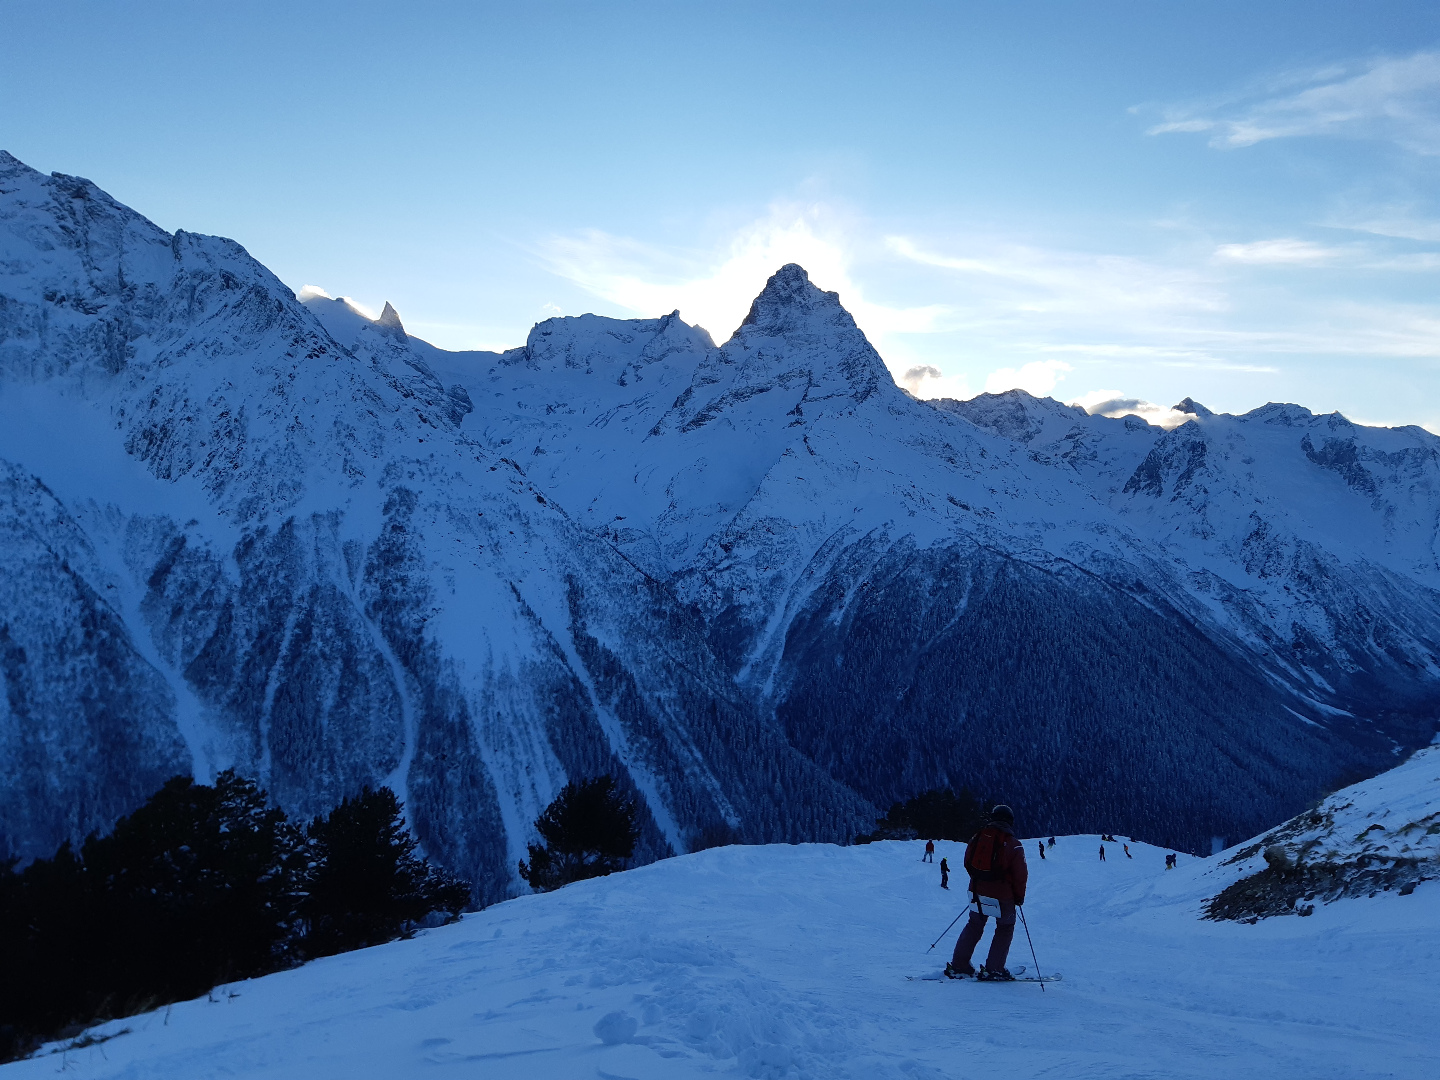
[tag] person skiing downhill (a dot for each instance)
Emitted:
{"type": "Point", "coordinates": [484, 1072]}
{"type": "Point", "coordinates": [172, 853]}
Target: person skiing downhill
{"type": "Point", "coordinates": [1041, 845]}
{"type": "Point", "coordinates": [1102, 852]}
{"type": "Point", "coordinates": [995, 861]}
{"type": "Point", "coordinates": [1127, 852]}
{"type": "Point", "coordinates": [944, 874]}
{"type": "Point", "coordinates": [929, 851]}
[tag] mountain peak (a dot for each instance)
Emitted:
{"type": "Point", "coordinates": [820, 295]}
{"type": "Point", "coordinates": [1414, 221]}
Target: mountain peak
{"type": "Point", "coordinates": [791, 299]}
{"type": "Point", "coordinates": [1193, 407]}
{"type": "Point", "coordinates": [389, 322]}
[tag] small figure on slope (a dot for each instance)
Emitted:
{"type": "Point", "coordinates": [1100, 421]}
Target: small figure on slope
{"type": "Point", "coordinates": [1102, 851]}
{"type": "Point", "coordinates": [1041, 845]}
{"type": "Point", "coordinates": [995, 861]}
{"type": "Point", "coordinates": [1051, 842]}
{"type": "Point", "coordinates": [1127, 852]}
{"type": "Point", "coordinates": [944, 874]}
{"type": "Point", "coordinates": [1170, 861]}
{"type": "Point", "coordinates": [929, 852]}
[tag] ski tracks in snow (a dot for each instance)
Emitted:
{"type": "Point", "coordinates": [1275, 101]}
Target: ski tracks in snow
{"type": "Point", "coordinates": [789, 961]}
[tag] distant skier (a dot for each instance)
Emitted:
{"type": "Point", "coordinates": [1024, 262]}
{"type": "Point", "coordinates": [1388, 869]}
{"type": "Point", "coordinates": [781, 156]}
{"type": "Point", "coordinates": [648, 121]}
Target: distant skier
{"type": "Point", "coordinates": [1051, 842]}
{"type": "Point", "coordinates": [944, 874]}
{"type": "Point", "coordinates": [929, 851]}
{"type": "Point", "coordinates": [1170, 861]}
{"type": "Point", "coordinates": [1127, 852]}
{"type": "Point", "coordinates": [1041, 845]}
{"type": "Point", "coordinates": [1102, 852]}
{"type": "Point", "coordinates": [995, 861]}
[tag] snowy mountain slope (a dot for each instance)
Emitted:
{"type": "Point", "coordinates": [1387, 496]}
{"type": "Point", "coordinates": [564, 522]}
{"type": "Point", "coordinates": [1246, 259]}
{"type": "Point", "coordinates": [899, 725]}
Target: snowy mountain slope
{"type": "Point", "coordinates": [792, 961]}
{"type": "Point", "coordinates": [759, 582]}
{"type": "Point", "coordinates": [346, 590]}
{"type": "Point", "coordinates": [817, 516]}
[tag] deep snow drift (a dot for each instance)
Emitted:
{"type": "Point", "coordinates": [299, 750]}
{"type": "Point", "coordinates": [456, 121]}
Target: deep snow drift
{"type": "Point", "coordinates": [791, 962]}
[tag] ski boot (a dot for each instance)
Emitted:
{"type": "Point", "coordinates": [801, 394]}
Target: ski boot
{"type": "Point", "coordinates": [994, 975]}
{"type": "Point", "coordinates": [952, 972]}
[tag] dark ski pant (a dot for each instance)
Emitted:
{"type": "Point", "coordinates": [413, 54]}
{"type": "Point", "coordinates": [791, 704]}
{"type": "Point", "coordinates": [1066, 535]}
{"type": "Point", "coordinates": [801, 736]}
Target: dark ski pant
{"type": "Point", "coordinates": [999, 945]}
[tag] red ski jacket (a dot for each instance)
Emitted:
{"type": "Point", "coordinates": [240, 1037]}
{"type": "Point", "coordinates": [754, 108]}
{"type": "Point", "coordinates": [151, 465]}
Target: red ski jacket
{"type": "Point", "coordinates": [1014, 874]}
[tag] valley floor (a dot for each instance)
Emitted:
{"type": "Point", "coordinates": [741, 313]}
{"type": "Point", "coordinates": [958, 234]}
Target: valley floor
{"type": "Point", "coordinates": [791, 961]}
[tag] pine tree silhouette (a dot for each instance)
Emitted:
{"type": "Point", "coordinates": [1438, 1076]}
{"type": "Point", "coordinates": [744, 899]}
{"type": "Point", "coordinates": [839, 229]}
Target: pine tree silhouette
{"type": "Point", "coordinates": [367, 884]}
{"type": "Point", "coordinates": [202, 885]}
{"type": "Point", "coordinates": [589, 831]}
{"type": "Point", "coordinates": [194, 888]}
{"type": "Point", "coordinates": [938, 814]}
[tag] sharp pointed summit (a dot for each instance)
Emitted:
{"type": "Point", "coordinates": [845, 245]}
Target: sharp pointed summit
{"type": "Point", "coordinates": [789, 300]}
{"type": "Point", "coordinates": [798, 338]}
{"type": "Point", "coordinates": [1193, 407]}
{"type": "Point", "coordinates": [389, 322]}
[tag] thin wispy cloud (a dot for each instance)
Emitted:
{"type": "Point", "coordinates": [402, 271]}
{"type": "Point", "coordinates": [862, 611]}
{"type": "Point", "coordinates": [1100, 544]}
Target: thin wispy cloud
{"type": "Point", "coordinates": [1278, 252]}
{"type": "Point", "coordinates": [1396, 99]}
{"type": "Point", "coordinates": [1049, 281]}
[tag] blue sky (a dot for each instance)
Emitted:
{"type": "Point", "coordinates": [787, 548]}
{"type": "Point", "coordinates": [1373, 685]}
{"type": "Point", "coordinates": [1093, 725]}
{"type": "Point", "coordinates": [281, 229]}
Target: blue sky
{"type": "Point", "coordinates": [1238, 202]}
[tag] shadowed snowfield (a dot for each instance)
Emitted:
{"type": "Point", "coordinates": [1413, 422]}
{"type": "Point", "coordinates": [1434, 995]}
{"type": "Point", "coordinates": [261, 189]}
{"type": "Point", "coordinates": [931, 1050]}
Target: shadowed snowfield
{"type": "Point", "coordinates": [791, 961]}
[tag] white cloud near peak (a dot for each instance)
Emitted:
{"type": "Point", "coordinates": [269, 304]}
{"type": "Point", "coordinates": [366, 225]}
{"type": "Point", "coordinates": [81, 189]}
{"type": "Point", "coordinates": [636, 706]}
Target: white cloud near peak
{"type": "Point", "coordinates": [1117, 403]}
{"type": "Point", "coordinates": [926, 381]}
{"type": "Point", "coordinates": [715, 290]}
{"type": "Point", "coordinates": [1037, 377]}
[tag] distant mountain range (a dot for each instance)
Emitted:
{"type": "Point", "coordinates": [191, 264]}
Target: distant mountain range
{"type": "Point", "coordinates": [763, 585]}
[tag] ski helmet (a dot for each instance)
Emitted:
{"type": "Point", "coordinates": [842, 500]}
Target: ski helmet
{"type": "Point", "coordinates": [1003, 813]}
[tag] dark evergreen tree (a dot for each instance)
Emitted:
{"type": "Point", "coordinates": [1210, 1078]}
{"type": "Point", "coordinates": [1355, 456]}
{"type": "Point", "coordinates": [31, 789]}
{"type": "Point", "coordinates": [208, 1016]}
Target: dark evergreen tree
{"type": "Point", "coordinates": [937, 814]}
{"type": "Point", "coordinates": [367, 884]}
{"type": "Point", "coordinates": [195, 888]}
{"type": "Point", "coordinates": [201, 885]}
{"type": "Point", "coordinates": [589, 831]}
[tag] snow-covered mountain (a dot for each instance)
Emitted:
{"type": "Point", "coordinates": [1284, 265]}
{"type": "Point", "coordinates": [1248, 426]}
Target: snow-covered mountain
{"type": "Point", "coordinates": [811, 961]}
{"type": "Point", "coordinates": [758, 581]}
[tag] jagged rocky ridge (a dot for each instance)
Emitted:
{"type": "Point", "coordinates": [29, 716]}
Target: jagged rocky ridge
{"type": "Point", "coordinates": [759, 582]}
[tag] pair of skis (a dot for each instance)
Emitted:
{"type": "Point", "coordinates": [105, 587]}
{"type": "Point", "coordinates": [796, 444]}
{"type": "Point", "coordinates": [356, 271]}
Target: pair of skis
{"type": "Point", "coordinates": [1018, 972]}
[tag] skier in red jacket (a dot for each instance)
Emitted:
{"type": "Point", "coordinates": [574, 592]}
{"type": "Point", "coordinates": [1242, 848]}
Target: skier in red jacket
{"type": "Point", "coordinates": [995, 861]}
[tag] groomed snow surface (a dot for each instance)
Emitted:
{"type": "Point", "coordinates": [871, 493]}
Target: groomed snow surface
{"type": "Point", "coordinates": [791, 962]}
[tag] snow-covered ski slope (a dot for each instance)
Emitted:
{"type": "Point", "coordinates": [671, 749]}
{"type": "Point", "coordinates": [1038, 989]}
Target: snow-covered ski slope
{"type": "Point", "coordinates": [791, 961]}
{"type": "Point", "coordinates": [781, 961]}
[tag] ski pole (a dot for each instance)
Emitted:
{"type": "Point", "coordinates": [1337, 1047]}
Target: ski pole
{"type": "Point", "coordinates": [1023, 923]}
{"type": "Point", "coordinates": [947, 930]}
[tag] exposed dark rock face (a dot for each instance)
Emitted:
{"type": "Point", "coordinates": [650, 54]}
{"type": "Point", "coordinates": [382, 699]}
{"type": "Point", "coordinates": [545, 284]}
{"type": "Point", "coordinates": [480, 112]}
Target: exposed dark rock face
{"type": "Point", "coordinates": [1380, 835]}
